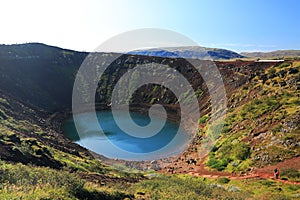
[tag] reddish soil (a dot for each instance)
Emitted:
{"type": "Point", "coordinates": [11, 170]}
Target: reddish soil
{"type": "Point", "coordinates": [263, 173]}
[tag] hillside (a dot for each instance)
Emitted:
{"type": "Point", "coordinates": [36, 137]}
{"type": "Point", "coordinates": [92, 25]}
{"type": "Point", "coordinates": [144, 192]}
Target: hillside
{"type": "Point", "coordinates": [273, 54]}
{"type": "Point", "coordinates": [262, 123]}
{"type": "Point", "coordinates": [39, 74]}
{"type": "Point", "coordinates": [38, 162]}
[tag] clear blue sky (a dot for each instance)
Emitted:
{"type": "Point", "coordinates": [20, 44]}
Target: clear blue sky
{"type": "Point", "coordinates": [252, 25]}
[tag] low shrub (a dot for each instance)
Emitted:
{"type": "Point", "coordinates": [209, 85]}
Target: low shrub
{"type": "Point", "coordinates": [219, 164]}
{"type": "Point", "coordinates": [223, 180]}
{"type": "Point", "coordinates": [290, 173]}
{"type": "Point", "coordinates": [241, 151]}
{"type": "Point", "coordinates": [283, 65]}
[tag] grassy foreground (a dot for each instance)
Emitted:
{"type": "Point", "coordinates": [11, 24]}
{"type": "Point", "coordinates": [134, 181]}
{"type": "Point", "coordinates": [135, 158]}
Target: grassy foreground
{"type": "Point", "coordinates": [30, 182]}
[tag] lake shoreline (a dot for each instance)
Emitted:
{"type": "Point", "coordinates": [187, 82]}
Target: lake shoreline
{"type": "Point", "coordinates": [58, 119]}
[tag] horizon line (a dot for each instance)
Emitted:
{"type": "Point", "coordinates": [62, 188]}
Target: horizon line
{"type": "Point", "coordinates": [151, 48]}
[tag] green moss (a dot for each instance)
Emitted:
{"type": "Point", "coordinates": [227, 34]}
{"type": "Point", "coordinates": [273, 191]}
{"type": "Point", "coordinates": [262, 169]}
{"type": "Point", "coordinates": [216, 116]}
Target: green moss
{"type": "Point", "coordinates": [203, 119]}
{"type": "Point", "coordinates": [284, 65]}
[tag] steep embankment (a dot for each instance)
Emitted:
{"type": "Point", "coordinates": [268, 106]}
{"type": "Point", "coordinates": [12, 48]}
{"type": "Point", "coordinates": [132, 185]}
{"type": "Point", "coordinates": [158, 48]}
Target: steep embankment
{"type": "Point", "coordinates": [261, 127]}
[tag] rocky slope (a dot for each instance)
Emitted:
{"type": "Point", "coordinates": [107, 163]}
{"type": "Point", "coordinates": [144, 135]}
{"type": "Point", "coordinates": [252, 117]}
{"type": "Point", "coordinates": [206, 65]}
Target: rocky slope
{"type": "Point", "coordinates": [262, 124]}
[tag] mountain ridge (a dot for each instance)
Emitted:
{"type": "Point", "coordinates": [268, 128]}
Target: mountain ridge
{"type": "Point", "coordinates": [193, 52]}
{"type": "Point", "coordinates": [273, 54]}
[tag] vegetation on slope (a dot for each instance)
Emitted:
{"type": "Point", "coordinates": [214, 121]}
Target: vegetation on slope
{"type": "Point", "coordinates": [262, 126]}
{"type": "Point", "coordinates": [38, 163]}
{"type": "Point", "coordinates": [30, 182]}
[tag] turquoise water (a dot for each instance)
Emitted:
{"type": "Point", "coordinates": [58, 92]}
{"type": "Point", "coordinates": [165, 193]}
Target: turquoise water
{"type": "Point", "coordinates": [113, 142]}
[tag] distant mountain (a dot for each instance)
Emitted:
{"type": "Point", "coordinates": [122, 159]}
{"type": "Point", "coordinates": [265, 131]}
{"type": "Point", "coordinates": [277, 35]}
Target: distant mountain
{"type": "Point", "coordinates": [273, 54]}
{"type": "Point", "coordinates": [190, 52]}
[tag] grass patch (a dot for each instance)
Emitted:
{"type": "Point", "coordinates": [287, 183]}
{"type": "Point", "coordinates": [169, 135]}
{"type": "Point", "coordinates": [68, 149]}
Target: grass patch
{"type": "Point", "coordinates": [181, 187]}
{"type": "Point", "coordinates": [30, 182]}
{"type": "Point", "coordinates": [290, 173]}
{"type": "Point", "coordinates": [257, 108]}
{"type": "Point", "coordinates": [284, 65]}
{"type": "Point", "coordinates": [219, 164]}
{"type": "Point", "coordinates": [203, 119]}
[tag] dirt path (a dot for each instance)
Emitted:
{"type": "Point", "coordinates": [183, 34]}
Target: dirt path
{"type": "Point", "coordinates": [263, 173]}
